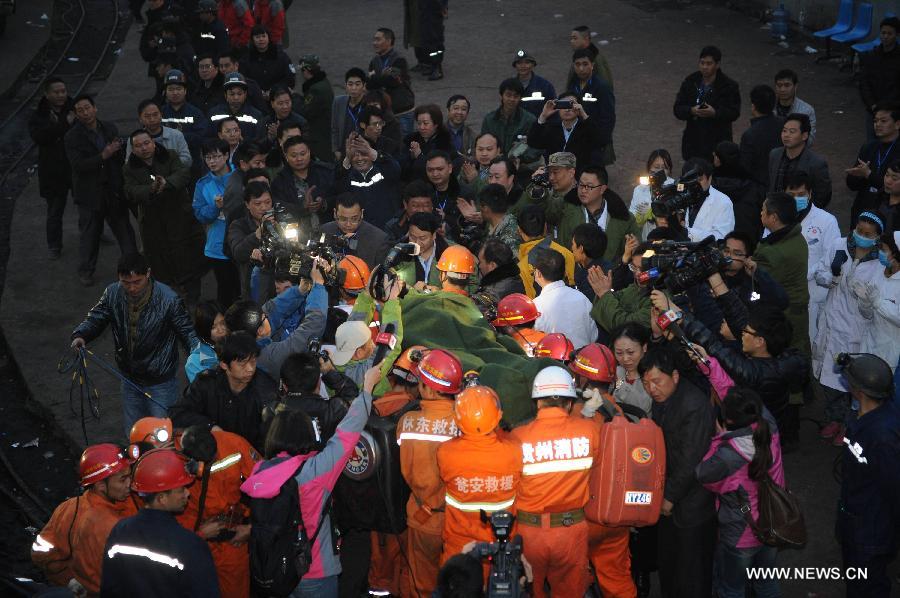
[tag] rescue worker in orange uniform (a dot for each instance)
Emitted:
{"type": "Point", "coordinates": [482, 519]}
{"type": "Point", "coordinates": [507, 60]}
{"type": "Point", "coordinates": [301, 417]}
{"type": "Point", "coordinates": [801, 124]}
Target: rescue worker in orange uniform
{"type": "Point", "coordinates": [594, 368]}
{"type": "Point", "coordinates": [480, 470]}
{"type": "Point", "coordinates": [70, 547]}
{"type": "Point", "coordinates": [388, 573]}
{"type": "Point", "coordinates": [149, 433]}
{"type": "Point", "coordinates": [227, 460]}
{"type": "Point", "coordinates": [558, 451]}
{"type": "Point", "coordinates": [515, 316]}
{"type": "Point", "coordinates": [419, 433]}
{"type": "Point", "coordinates": [457, 270]}
{"type": "Point", "coordinates": [555, 346]}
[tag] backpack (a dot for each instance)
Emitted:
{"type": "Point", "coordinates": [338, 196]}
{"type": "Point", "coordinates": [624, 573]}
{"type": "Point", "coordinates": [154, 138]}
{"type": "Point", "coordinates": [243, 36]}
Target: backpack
{"type": "Point", "coordinates": [280, 548]}
{"type": "Point", "coordinates": [780, 522]}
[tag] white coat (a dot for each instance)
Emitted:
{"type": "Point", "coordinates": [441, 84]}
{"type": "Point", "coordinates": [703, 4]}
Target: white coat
{"type": "Point", "coordinates": [821, 231]}
{"type": "Point", "coordinates": [879, 303]}
{"type": "Point", "coordinates": [716, 217]}
{"type": "Point", "coordinates": [840, 324]}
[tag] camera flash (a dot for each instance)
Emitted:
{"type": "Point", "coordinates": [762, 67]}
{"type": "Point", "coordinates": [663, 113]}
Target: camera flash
{"type": "Point", "coordinates": [644, 180]}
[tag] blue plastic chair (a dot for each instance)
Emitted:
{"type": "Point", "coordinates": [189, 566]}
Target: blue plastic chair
{"type": "Point", "coordinates": [863, 47]}
{"type": "Point", "coordinates": [863, 26]}
{"type": "Point", "coordinates": [844, 22]}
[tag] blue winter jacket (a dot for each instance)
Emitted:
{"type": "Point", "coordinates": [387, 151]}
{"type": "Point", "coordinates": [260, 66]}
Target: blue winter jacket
{"type": "Point", "coordinates": [210, 215]}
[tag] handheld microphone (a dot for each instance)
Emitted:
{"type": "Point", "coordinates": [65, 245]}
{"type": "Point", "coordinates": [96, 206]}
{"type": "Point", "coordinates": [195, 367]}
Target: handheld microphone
{"type": "Point", "coordinates": [668, 321]}
{"type": "Point", "coordinates": [385, 342]}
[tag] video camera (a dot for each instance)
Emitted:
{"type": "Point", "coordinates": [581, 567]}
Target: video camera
{"type": "Point", "coordinates": [505, 555]}
{"type": "Point", "coordinates": [541, 186]}
{"type": "Point", "coordinates": [383, 276]}
{"type": "Point", "coordinates": [669, 200]}
{"type": "Point", "coordinates": [285, 253]}
{"type": "Point", "coordinates": [315, 347]}
{"type": "Point", "coordinates": [679, 265]}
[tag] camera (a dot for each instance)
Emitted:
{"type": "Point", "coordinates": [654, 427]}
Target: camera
{"type": "Point", "coordinates": [562, 104]}
{"type": "Point", "coordinates": [505, 555]}
{"type": "Point", "coordinates": [541, 185]}
{"type": "Point", "coordinates": [383, 276]}
{"type": "Point", "coordinates": [285, 253]}
{"type": "Point", "coordinates": [315, 347]}
{"type": "Point", "coordinates": [470, 235]}
{"type": "Point", "coordinates": [679, 265]}
{"type": "Point", "coordinates": [669, 200]}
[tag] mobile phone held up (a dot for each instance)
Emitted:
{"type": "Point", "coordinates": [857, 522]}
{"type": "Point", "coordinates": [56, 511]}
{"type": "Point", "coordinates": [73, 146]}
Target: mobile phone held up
{"type": "Point", "coordinates": [562, 104]}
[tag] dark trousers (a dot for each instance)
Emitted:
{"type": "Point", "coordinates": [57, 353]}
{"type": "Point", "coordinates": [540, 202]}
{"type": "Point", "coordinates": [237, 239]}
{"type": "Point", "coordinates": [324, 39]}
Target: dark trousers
{"type": "Point", "coordinates": [685, 558]}
{"type": "Point", "coordinates": [228, 282]}
{"type": "Point", "coordinates": [356, 552]}
{"type": "Point", "coordinates": [877, 583]}
{"type": "Point", "coordinates": [56, 207]}
{"type": "Point", "coordinates": [90, 225]}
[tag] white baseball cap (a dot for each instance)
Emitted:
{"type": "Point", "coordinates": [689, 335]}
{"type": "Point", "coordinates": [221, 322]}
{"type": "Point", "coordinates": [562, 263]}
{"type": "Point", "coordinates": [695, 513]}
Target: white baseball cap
{"type": "Point", "coordinates": [349, 337]}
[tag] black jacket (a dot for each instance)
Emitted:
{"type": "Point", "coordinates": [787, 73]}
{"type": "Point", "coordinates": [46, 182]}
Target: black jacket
{"type": "Point", "coordinates": [391, 73]}
{"type": "Point", "coordinates": [769, 290]}
{"type": "Point", "coordinates": [868, 190]}
{"type": "Point", "coordinates": [586, 141]}
{"type": "Point", "coordinates": [745, 194]}
{"type": "Point", "coordinates": [211, 38]}
{"type": "Point", "coordinates": [378, 189]}
{"type": "Point", "coordinates": [151, 357]}
{"type": "Point", "coordinates": [879, 79]}
{"type": "Point", "coordinates": [772, 377]}
{"type": "Point", "coordinates": [204, 97]}
{"type": "Point", "coordinates": [686, 419]}
{"type": "Point", "coordinates": [320, 175]}
{"type": "Point", "coordinates": [757, 142]}
{"type": "Point", "coordinates": [414, 168]}
{"type": "Point", "coordinates": [326, 413]}
{"type": "Point", "coordinates": [127, 572]}
{"type": "Point", "coordinates": [209, 401]}
{"type": "Point", "coordinates": [269, 68]}
{"type": "Point", "coordinates": [96, 183]}
{"type": "Point", "coordinates": [48, 129]}
{"type": "Point", "coordinates": [502, 281]}
{"type": "Point", "coordinates": [702, 134]}
{"type": "Point", "coordinates": [241, 241]}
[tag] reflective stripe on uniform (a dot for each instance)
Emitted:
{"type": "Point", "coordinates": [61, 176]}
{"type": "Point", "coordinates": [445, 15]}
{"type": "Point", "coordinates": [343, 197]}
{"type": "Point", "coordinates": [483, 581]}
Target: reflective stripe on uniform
{"type": "Point", "coordinates": [375, 179]}
{"type": "Point", "coordinates": [479, 506]}
{"type": "Point", "coordinates": [225, 463]}
{"type": "Point", "coordinates": [246, 118]}
{"type": "Point", "coordinates": [187, 120]}
{"type": "Point", "coordinates": [420, 436]}
{"type": "Point", "coordinates": [207, 36]}
{"type": "Point", "coordinates": [156, 557]}
{"type": "Point", "coordinates": [557, 465]}
{"type": "Point", "coordinates": [216, 117]}
{"type": "Point", "coordinates": [41, 545]}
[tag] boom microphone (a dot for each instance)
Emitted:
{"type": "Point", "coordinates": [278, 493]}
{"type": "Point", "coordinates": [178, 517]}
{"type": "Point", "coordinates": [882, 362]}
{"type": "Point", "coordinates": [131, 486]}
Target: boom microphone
{"type": "Point", "coordinates": [668, 321]}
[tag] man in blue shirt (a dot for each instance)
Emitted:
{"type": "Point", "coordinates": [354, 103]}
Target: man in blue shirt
{"type": "Point", "coordinates": [537, 89]}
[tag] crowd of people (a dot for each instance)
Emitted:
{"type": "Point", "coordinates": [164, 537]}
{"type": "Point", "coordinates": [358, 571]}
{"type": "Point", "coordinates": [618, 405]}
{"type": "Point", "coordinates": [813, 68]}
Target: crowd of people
{"type": "Point", "coordinates": [419, 248]}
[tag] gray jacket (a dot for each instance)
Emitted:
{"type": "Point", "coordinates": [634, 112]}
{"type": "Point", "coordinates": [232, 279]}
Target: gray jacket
{"type": "Point", "coordinates": [341, 123]}
{"type": "Point", "coordinates": [811, 163]}
{"type": "Point", "coordinates": [171, 139]}
{"type": "Point", "coordinates": [372, 243]}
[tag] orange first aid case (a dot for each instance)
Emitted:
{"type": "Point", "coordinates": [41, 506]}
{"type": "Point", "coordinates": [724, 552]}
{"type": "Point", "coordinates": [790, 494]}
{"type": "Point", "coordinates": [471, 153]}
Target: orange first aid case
{"type": "Point", "coordinates": [626, 486]}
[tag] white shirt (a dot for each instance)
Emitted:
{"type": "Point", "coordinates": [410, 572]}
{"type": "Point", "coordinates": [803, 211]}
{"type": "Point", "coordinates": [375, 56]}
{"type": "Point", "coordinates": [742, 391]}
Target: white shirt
{"type": "Point", "coordinates": [821, 231]}
{"type": "Point", "coordinates": [567, 311]}
{"type": "Point", "coordinates": [601, 221]}
{"type": "Point", "coordinates": [716, 217]}
{"type": "Point", "coordinates": [881, 309]}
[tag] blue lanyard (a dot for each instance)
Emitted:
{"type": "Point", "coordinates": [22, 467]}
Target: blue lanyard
{"type": "Point", "coordinates": [443, 203]}
{"type": "Point", "coordinates": [882, 159]}
{"type": "Point", "coordinates": [587, 84]}
{"type": "Point", "coordinates": [384, 62]}
{"type": "Point", "coordinates": [702, 91]}
{"type": "Point", "coordinates": [354, 114]}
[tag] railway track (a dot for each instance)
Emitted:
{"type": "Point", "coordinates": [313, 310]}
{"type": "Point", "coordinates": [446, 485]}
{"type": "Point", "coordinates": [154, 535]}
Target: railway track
{"type": "Point", "coordinates": [84, 33]}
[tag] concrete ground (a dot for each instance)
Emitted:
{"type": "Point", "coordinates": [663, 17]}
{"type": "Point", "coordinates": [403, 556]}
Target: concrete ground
{"type": "Point", "coordinates": [25, 33]}
{"type": "Point", "coordinates": [650, 51]}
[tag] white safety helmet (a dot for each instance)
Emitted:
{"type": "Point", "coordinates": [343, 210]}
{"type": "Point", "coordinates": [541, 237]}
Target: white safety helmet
{"type": "Point", "coordinates": [553, 381]}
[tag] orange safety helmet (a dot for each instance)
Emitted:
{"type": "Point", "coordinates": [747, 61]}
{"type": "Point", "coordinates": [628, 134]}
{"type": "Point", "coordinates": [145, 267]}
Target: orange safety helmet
{"type": "Point", "coordinates": [477, 410]}
{"type": "Point", "coordinates": [440, 370]}
{"type": "Point", "coordinates": [555, 346]}
{"type": "Point", "coordinates": [594, 362]}
{"type": "Point", "coordinates": [516, 309]}
{"type": "Point", "coordinates": [404, 366]}
{"type": "Point", "coordinates": [457, 261]}
{"type": "Point", "coordinates": [160, 470]}
{"type": "Point", "coordinates": [157, 431]}
{"type": "Point", "coordinates": [100, 461]}
{"type": "Point", "coordinates": [357, 273]}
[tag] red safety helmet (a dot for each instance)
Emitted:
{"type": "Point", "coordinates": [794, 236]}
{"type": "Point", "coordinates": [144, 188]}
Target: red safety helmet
{"type": "Point", "coordinates": [594, 362]}
{"type": "Point", "coordinates": [440, 370]}
{"type": "Point", "coordinates": [516, 309]}
{"type": "Point", "coordinates": [160, 470]}
{"type": "Point", "coordinates": [100, 461]}
{"type": "Point", "coordinates": [357, 273]}
{"type": "Point", "coordinates": [477, 410]}
{"type": "Point", "coordinates": [555, 346]}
